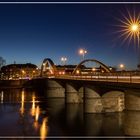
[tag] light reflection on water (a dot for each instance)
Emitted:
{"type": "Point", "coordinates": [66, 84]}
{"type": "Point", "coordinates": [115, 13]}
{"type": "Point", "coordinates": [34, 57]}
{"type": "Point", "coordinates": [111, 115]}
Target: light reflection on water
{"type": "Point", "coordinates": [28, 113]}
{"type": "Point", "coordinates": [22, 101]}
{"type": "Point", "coordinates": [33, 106]}
{"type": "Point", "coordinates": [37, 111]}
{"type": "Point", "coordinates": [44, 129]}
{"type": "Point", "coordinates": [1, 96]}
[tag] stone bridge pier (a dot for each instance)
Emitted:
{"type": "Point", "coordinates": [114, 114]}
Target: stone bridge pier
{"type": "Point", "coordinates": [92, 101]}
{"type": "Point", "coordinates": [54, 89]}
{"type": "Point", "coordinates": [132, 100]}
{"type": "Point", "coordinates": [89, 95]}
{"type": "Point", "coordinates": [73, 95]}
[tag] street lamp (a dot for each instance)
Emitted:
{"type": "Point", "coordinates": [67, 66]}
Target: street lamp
{"type": "Point", "coordinates": [63, 59]}
{"type": "Point", "coordinates": [134, 27]}
{"type": "Point", "coordinates": [82, 52]}
{"type": "Point", "coordinates": [121, 66]}
{"type": "Point", "coordinates": [130, 30]}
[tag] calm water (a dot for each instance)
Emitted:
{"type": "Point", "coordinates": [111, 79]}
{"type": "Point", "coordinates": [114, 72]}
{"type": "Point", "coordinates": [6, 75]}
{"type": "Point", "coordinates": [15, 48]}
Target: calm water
{"type": "Point", "coordinates": [28, 113]}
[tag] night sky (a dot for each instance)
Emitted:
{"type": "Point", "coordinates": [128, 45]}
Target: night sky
{"type": "Point", "coordinates": [31, 32]}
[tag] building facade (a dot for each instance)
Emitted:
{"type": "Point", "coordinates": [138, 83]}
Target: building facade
{"type": "Point", "coordinates": [19, 71]}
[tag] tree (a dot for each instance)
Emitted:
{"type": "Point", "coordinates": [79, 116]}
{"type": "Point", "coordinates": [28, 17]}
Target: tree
{"type": "Point", "coordinates": [2, 62]}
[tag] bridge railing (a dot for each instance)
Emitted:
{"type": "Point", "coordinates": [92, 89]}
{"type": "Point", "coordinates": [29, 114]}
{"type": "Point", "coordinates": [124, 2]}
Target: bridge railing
{"type": "Point", "coordinates": [128, 77]}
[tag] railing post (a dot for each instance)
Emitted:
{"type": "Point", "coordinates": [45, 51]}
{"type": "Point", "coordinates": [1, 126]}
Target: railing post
{"type": "Point", "coordinates": [130, 78]}
{"type": "Point", "coordinates": [117, 77]}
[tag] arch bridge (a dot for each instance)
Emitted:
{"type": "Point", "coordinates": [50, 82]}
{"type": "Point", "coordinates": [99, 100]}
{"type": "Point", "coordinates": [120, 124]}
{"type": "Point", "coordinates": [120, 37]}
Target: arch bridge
{"type": "Point", "coordinates": [120, 92]}
{"type": "Point", "coordinates": [48, 67]}
{"type": "Point", "coordinates": [103, 66]}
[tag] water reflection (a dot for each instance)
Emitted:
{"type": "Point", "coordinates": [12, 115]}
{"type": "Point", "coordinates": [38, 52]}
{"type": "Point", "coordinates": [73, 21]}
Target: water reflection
{"type": "Point", "coordinates": [33, 106]}
{"type": "Point", "coordinates": [132, 123]}
{"type": "Point", "coordinates": [1, 96]}
{"type": "Point", "coordinates": [44, 129]}
{"type": "Point", "coordinates": [112, 124]}
{"type": "Point", "coordinates": [43, 117]}
{"type": "Point", "coordinates": [22, 102]}
{"type": "Point", "coordinates": [93, 124]}
{"type": "Point", "coordinates": [37, 112]}
{"type": "Point", "coordinates": [73, 112]}
{"type": "Point", "coordinates": [36, 125]}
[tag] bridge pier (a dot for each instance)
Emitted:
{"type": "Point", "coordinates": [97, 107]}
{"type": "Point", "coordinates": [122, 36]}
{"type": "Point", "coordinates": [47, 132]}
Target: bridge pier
{"type": "Point", "coordinates": [54, 89]}
{"type": "Point", "coordinates": [72, 95]}
{"type": "Point", "coordinates": [92, 101]}
{"type": "Point", "coordinates": [132, 100]}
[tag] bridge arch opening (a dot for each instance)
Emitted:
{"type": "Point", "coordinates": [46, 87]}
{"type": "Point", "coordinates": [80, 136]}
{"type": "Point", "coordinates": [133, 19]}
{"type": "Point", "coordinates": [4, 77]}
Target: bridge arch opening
{"type": "Point", "coordinates": [96, 66]}
{"type": "Point", "coordinates": [48, 67]}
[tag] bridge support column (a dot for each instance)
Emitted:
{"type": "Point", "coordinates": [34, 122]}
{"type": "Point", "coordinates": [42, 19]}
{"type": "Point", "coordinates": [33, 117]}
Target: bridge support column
{"type": "Point", "coordinates": [81, 93]}
{"type": "Point", "coordinates": [132, 100]}
{"type": "Point", "coordinates": [54, 89]}
{"type": "Point", "coordinates": [72, 94]}
{"type": "Point", "coordinates": [92, 101]}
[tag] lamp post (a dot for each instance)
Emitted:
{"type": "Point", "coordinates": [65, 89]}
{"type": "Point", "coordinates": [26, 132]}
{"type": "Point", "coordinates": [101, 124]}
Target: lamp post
{"type": "Point", "coordinates": [136, 30]}
{"type": "Point", "coordinates": [82, 52]}
{"type": "Point", "coordinates": [130, 30]}
{"type": "Point", "coordinates": [63, 60]}
{"type": "Point", "coordinates": [121, 66]}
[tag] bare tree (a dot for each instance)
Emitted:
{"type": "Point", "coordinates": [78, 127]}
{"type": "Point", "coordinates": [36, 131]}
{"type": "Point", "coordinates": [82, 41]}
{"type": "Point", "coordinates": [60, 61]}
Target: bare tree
{"type": "Point", "coordinates": [2, 62]}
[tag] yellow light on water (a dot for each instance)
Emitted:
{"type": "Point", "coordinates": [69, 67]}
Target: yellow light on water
{"type": "Point", "coordinates": [36, 125]}
{"type": "Point", "coordinates": [33, 106]}
{"type": "Point", "coordinates": [37, 113]}
{"type": "Point", "coordinates": [2, 97]}
{"type": "Point", "coordinates": [44, 129]}
{"type": "Point", "coordinates": [22, 102]}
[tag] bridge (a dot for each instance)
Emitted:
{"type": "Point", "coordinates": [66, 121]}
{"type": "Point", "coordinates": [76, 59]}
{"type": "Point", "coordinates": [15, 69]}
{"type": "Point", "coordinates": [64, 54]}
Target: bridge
{"type": "Point", "coordinates": [98, 91]}
{"type": "Point", "coordinates": [48, 69]}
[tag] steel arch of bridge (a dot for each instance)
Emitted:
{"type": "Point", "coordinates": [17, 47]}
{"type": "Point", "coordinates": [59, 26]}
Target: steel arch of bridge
{"type": "Point", "coordinates": [48, 61]}
{"type": "Point", "coordinates": [92, 60]}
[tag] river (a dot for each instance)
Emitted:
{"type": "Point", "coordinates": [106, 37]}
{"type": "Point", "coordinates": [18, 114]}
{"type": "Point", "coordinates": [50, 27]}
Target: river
{"type": "Point", "coordinates": [27, 113]}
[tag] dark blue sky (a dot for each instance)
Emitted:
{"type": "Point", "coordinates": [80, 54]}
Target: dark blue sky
{"type": "Point", "coordinates": [31, 32]}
